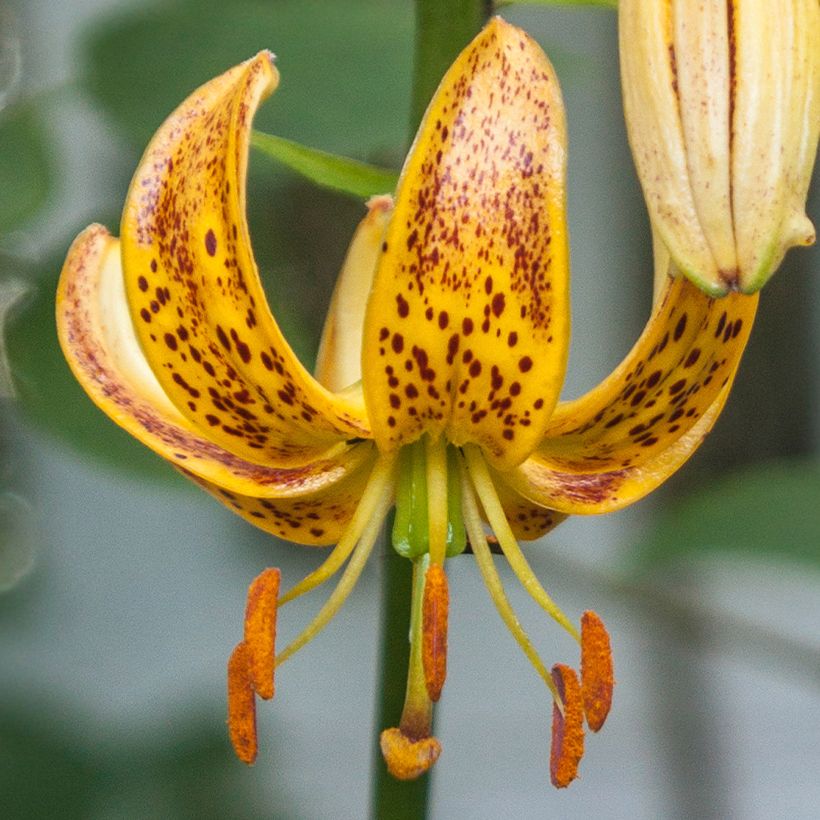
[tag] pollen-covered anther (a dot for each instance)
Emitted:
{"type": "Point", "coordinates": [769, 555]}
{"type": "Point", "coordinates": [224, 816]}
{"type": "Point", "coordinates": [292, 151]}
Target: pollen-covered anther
{"type": "Point", "coordinates": [241, 706]}
{"type": "Point", "coordinates": [405, 757]}
{"type": "Point", "coordinates": [260, 631]}
{"type": "Point", "coordinates": [434, 629]}
{"type": "Point", "coordinates": [567, 728]}
{"type": "Point", "coordinates": [597, 673]}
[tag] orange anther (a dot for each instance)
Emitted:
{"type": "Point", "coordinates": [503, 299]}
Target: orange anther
{"type": "Point", "coordinates": [567, 729]}
{"type": "Point", "coordinates": [435, 606]}
{"type": "Point", "coordinates": [260, 631]}
{"type": "Point", "coordinates": [406, 758]}
{"type": "Point", "coordinates": [597, 674]}
{"type": "Point", "coordinates": [241, 706]}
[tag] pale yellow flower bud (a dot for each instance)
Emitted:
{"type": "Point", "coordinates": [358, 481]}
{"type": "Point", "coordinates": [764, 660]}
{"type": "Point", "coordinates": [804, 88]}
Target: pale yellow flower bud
{"type": "Point", "coordinates": [722, 103]}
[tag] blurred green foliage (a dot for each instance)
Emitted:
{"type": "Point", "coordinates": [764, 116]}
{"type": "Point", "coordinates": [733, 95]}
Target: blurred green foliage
{"type": "Point", "coordinates": [345, 67]}
{"type": "Point", "coordinates": [26, 171]}
{"type": "Point", "coordinates": [764, 511]}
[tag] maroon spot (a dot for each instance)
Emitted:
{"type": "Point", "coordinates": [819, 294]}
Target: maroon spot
{"type": "Point", "coordinates": [452, 347]}
{"type": "Point", "coordinates": [498, 304]}
{"type": "Point", "coordinates": [736, 329]}
{"type": "Point", "coordinates": [411, 392]}
{"type": "Point", "coordinates": [512, 339]}
{"type": "Point", "coordinates": [692, 357]}
{"type": "Point", "coordinates": [524, 364]}
{"type": "Point", "coordinates": [171, 341]}
{"type": "Point", "coordinates": [146, 316]}
{"type": "Point", "coordinates": [508, 434]}
{"type": "Point", "coordinates": [383, 334]}
{"type": "Point", "coordinates": [653, 379]}
{"type": "Point", "coordinates": [411, 240]}
{"type": "Point", "coordinates": [391, 422]}
{"type": "Point", "coordinates": [443, 319]}
{"type": "Point", "coordinates": [428, 314]}
{"type": "Point", "coordinates": [142, 282]}
{"type": "Point", "coordinates": [677, 386]}
{"type": "Point", "coordinates": [223, 339]}
{"type": "Point", "coordinates": [212, 419]}
{"type": "Point", "coordinates": [488, 285]}
{"type": "Point", "coordinates": [467, 326]}
{"type": "Point", "coordinates": [475, 368]}
{"type": "Point", "coordinates": [403, 306]}
{"type": "Point", "coordinates": [679, 328]}
{"type": "Point", "coordinates": [210, 242]}
{"type": "Point", "coordinates": [266, 360]}
{"type": "Point", "coordinates": [515, 388]}
{"type": "Point", "coordinates": [395, 401]}
{"type": "Point", "coordinates": [397, 343]}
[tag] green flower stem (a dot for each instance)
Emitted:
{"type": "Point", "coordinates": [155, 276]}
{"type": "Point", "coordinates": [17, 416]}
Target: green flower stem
{"type": "Point", "coordinates": [443, 28]}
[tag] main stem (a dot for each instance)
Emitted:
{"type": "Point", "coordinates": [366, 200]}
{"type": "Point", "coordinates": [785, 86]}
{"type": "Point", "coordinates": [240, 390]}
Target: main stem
{"type": "Point", "coordinates": [443, 28]}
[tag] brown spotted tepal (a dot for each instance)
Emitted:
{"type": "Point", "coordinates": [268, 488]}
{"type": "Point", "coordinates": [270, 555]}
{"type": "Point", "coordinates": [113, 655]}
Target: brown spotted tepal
{"type": "Point", "coordinates": [437, 385]}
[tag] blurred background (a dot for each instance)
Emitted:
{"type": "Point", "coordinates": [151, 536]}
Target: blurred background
{"type": "Point", "coordinates": [123, 586]}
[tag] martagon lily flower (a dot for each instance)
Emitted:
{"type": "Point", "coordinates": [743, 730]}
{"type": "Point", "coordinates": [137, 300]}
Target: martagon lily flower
{"type": "Point", "coordinates": [438, 379]}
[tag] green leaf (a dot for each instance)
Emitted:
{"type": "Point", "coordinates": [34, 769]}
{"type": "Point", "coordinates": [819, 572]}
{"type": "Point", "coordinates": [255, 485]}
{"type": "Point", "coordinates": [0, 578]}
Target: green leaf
{"type": "Point", "coordinates": [26, 174]}
{"type": "Point", "coordinates": [328, 170]}
{"type": "Point", "coordinates": [769, 511]}
{"type": "Point", "coordinates": [345, 67]}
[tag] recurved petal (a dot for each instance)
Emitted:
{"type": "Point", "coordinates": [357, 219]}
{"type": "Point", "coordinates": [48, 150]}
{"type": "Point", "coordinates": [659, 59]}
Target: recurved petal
{"type": "Point", "coordinates": [686, 355]}
{"type": "Point", "coordinates": [194, 291]}
{"type": "Point", "coordinates": [467, 325]}
{"type": "Point", "coordinates": [316, 517]}
{"type": "Point", "coordinates": [98, 340]}
{"type": "Point", "coordinates": [339, 361]}
{"type": "Point", "coordinates": [528, 520]}
{"type": "Point", "coordinates": [538, 483]}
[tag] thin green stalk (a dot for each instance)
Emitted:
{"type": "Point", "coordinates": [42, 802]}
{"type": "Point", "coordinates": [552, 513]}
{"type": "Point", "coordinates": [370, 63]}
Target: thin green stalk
{"type": "Point", "coordinates": [443, 28]}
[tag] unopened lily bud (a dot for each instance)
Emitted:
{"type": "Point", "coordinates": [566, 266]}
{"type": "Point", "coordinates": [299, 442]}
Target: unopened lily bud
{"type": "Point", "coordinates": [722, 103]}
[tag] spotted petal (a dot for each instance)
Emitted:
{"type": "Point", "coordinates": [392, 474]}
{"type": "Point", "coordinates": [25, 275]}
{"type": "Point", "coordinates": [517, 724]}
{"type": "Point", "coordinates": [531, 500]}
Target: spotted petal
{"type": "Point", "coordinates": [97, 337]}
{"type": "Point", "coordinates": [194, 290]}
{"type": "Point", "coordinates": [538, 492]}
{"type": "Point", "coordinates": [687, 354]}
{"type": "Point", "coordinates": [318, 517]}
{"type": "Point", "coordinates": [467, 326]}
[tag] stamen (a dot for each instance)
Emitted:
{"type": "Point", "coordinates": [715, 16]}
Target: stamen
{"type": "Point", "coordinates": [436, 453]}
{"type": "Point", "coordinates": [241, 706]}
{"type": "Point", "coordinates": [434, 630]}
{"type": "Point", "coordinates": [406, 758]}
{"type": "Point", "coordinates": [484, 559]}
{"type": "Point", "coordinates": [597, 673]}
{"type": "Point", "coordinates": [567, 728]}
{"type": "Point", "coordinates": [350, 576]}
{"type": "Point", "coordinates": [485, 489]}
{"type": "Point", "coordinates": [260, 631]}
{"type": "Point", "coordinates": [379, 486]}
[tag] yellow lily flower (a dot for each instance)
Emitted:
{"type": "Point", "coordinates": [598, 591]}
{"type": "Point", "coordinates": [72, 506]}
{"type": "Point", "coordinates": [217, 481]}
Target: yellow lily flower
{"type": "Point", "coordinates": [722, 104]}
{"type": "Point", "coordinates": [438, 377]}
